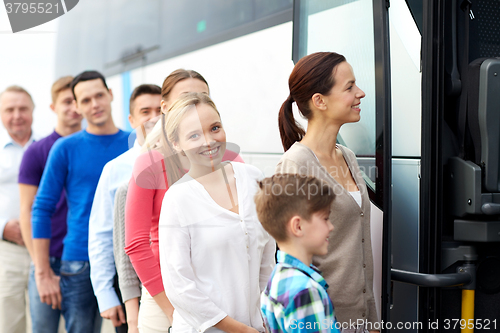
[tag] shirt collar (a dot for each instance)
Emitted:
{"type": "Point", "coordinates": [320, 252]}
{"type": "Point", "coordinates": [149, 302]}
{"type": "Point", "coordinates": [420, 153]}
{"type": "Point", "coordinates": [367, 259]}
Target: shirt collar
{"type": "Point", "coordinates": [313, 272]}
{"type": "Point", "coordinates": [7, 140]}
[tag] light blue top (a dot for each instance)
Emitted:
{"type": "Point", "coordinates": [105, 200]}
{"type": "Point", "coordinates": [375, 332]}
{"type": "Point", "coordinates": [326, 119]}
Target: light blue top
{"type": "Point", "coordinates": [114, 174]}
{"type": "Point", "coordinates": [74, 164]}
{"type": "Point", "coordinates": [11, 154]}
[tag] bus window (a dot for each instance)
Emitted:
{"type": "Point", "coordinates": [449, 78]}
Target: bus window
{"type": "Point", "coordinates": [346, 27]}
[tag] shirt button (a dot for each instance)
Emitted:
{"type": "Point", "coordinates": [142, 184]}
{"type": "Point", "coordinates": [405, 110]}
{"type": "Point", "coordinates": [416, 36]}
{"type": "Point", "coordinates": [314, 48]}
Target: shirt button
{"type": "Point", "coordinates": [363, 240]}
{"type": "Point", "coordinates": [364, 266]}
{"type": "Point", "coordinates": [241, 220]}
{"type": "Point", "coordinates": [363, 314]}
{"type": "Point", "coordinates": [364, 290]}
{"type": "Point", "coordinates": [362, 214]}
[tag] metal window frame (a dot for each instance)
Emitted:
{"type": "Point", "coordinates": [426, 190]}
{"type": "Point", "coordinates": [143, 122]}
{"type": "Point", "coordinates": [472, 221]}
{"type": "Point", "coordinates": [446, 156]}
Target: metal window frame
{"type": "Point", "coordinates": [383, 152]}
{"type": "Point", "coordinates": [431, 202]}
{"type": "Point", "coordinates": [141, 60]}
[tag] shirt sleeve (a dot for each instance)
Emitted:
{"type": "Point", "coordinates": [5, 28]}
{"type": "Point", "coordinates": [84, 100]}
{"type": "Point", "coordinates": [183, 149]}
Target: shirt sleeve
{"type": "Point", "coordinates": [31, 169]}
{"type": "Point", "coordinates": [130, 286]}
{"type": "Point", "coordinates": [138, 217]}
{"type": "Point", "coordinates": [372, 308]}
{"type": "Point", "coordinates": [102, 262]}
{"type": "Point", "coordinates": [3, 223]}
{"type": "Point", "coordinates": [267, 264]}
{"type": "Point", "coordinates": [307, 313]}
{"type": "Point", "coordinates": [269, 254]}
{"type": "Point", "coordinates": [49, 191]}
{"type": "Point", "coordinates": [195, 307]}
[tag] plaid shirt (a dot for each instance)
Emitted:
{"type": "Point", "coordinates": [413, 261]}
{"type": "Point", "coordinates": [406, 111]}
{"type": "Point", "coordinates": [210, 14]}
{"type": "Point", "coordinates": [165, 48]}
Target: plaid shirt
{"type": "Point", "coordinates": [295, 299]}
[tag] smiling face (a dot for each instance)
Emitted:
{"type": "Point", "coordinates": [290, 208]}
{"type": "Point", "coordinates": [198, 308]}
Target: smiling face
{"type": "Point", "coordinates": [146, 107]}
{"type": "Point", "coordinates": [316, 232]}
{"type": "Point", "coordinates": [16, 110]}
{"type": "Point", "coordinates": [343, 100]}
{"type": "Point", "coordinates": [93, 102]}
{"type": "Point", "coordinates": [65, 109]}
{"type": "Point", "coordinates": [202, 137]}
{"type": "Point", "coordinates": [146, 111]}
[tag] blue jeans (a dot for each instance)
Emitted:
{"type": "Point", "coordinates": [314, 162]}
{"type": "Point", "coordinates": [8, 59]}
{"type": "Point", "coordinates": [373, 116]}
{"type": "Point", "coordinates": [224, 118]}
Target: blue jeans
{"type": "Point", "coordinates": [43, 318]}
{"type": "Point", "coordinates": [79, 305]}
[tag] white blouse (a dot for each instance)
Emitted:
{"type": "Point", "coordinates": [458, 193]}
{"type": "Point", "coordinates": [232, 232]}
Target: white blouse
{"type": "Point", "coordinates": [356, 195]}
{"type": "Point", "coordinates": [214, 262]}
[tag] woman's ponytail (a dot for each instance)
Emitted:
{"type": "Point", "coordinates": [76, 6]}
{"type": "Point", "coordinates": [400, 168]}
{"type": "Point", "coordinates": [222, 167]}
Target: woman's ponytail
{"type": "Point", "coordinates": [312, 74]}
{"type": "Point", "coordinates": [290, 130]}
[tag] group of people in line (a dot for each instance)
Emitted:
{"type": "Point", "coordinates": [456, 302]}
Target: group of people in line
{"type": "Point", "coordinates": [177, 234]}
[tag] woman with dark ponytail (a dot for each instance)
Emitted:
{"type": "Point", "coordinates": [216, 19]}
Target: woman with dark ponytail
{"type": "Point", "coordinates": [324, 88]}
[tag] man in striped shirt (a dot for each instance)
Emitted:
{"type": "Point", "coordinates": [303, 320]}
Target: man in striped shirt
{"type": "Point", "coordinates": [295, 210]}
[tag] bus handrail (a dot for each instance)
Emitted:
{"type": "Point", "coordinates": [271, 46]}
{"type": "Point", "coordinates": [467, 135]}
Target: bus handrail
{"type": "Point", "coordinates": [431, 280]}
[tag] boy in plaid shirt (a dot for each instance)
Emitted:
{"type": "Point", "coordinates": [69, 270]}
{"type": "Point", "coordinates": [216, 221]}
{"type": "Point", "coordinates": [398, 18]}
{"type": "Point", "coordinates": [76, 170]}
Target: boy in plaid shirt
{"type": "Point", "coordinates": [295, 210]}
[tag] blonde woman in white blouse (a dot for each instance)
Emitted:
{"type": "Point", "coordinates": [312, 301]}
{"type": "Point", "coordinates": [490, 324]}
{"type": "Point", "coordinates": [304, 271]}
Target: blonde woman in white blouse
{"type": "Point", "coordinates": [215, 257]}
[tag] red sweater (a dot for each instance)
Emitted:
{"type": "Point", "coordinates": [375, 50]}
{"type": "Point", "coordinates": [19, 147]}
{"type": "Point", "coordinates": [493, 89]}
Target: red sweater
{"type": "Point", "coordinates": [145, 194]}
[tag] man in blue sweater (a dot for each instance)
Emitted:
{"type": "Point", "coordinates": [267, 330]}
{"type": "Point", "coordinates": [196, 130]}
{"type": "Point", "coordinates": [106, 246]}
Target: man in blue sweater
{"type": "Point", "coordinates": [75, 164]}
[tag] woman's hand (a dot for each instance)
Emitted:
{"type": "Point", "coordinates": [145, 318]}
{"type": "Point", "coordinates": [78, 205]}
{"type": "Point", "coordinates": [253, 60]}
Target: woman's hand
{"type": "Point", "coordinates": [251, 330]}
{"type": "Point", "coordinates": [163, 302]}
{"type": "Point", "coordinates": [231, 325]}
{"type": "Point", "coordinates": [132, 308]}
{"type": "Point", "coordinates": [133, 329]}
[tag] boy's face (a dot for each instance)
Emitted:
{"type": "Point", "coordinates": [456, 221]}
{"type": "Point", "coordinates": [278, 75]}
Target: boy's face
{"type": "Point", "coordinates": [316, 233]}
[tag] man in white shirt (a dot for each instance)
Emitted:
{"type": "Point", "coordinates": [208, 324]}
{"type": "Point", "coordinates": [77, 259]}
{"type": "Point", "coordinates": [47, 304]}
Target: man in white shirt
{"type": "Point", "coordinates": [16, 112]}
{"type": "Point", "coordinates": [144, 107]}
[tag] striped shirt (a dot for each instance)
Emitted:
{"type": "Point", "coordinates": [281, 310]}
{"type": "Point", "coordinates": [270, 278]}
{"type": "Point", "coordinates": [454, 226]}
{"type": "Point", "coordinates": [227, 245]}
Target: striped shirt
{"type": "Point", "coordinates": [295, 299]}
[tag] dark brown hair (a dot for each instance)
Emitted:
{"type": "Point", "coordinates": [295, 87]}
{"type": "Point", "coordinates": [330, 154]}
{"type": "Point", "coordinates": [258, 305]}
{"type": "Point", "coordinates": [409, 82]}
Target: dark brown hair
{"type": "Point", "coordinates": [143, 89]}
{"type": "Point", "coordinates": [177, 76]}
{"type": "Point", "coordinates": [283, 196]}
{"type": "Point", "coordinates": [312, 74]}
{"type": "Point", "coordinates": [61, 84]}
{"type": "Point", "coordinates": [87, 76]}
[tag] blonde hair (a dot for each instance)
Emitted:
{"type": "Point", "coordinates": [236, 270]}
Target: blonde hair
{"type": "Point", "coordinates": [167, 132]}
{"type": "Point", "coordinates": [155, 136]}
{"type": "Point", "coordinates": [17, 89]}
{"type": "Point", "coordinates": [60, 85]}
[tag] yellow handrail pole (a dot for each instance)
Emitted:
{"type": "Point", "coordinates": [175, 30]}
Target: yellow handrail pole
{"type": "Point", "coordinates": [468, 311]}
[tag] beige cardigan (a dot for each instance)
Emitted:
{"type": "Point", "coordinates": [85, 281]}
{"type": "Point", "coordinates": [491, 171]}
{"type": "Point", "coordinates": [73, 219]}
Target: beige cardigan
{"type": "Point", "coordinates": [348, 266]}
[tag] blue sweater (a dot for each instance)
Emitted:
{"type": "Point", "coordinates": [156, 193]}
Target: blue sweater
{"type": "Point", "coordinates": [74, 164]}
